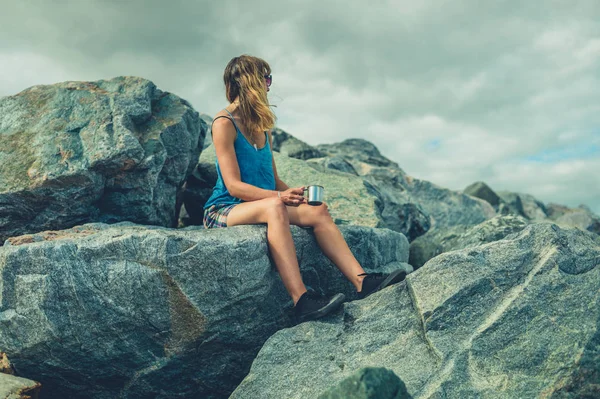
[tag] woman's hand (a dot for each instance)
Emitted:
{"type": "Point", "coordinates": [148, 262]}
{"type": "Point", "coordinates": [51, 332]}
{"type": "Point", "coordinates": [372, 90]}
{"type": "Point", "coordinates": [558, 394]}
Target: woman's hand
{"type": "Point", "coordinates": [293, 196]}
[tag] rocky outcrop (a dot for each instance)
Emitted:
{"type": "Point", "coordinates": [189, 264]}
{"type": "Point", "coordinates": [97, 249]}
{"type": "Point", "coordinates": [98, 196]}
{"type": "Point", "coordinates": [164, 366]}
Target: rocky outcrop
{"type": "Point", "coordinates": [208, 122]}
{"type": "Point", "coordinates": [289, 145]}
{"type": "Point", "coordinates": [505, 309]}
{"type": "Point", "coordinates": [515, 318]}
{"type": "Point", "coordinates": [447, 207]}
{"type": "Point", "coordinates": [581, 217]}
{"type": "Point", "coordinates": [430, 205]}
{"type": "Point", "coordinates": [125, 310]}
{"type": "Point", "coordinates": [359, 151]}
{"type": "Point", "coordinates": [438, 241]}
{"type": "Point", "coordinates": [107, 151]}
{"type": "Point", "coordinates": [481, 190]}
{"type": "Point", "coordinates": [334, 162]}
{"type": "Point", "coordinates": [527, 206]}
{"type": "Point", "coordinates": [369, 383]}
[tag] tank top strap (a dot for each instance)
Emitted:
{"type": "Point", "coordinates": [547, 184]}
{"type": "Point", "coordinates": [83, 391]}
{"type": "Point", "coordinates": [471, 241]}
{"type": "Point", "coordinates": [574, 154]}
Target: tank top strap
{"type": "Point", "coordinates": [236, 126]}
{"type": "Point", "coordinates": [233, 120]}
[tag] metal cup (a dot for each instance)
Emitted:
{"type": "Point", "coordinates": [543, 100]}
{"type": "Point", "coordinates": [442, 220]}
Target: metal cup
{"type": "Point", "coordinates": [314, 195]}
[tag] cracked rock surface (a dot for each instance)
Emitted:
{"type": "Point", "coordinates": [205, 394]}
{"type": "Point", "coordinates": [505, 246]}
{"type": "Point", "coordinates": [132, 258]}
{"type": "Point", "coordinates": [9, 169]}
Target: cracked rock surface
{"type": "Point", "coordinates": [133, 311]}
{"type": "Point", "coordinates": [515, 318]}
{"type": "Point", "coordinates": [104, 151]}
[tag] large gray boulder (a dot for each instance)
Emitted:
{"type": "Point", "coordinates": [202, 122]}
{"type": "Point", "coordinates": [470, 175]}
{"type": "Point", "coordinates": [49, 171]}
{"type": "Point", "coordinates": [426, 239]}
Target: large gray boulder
{"type": "Point", "coordinates": [438, 241]}
{"type": "Point", "coordinates": [132, 311]}
{"type": "Point", "coordinates": [515, 318]}
{"type": "Point", "coordinates": [109, 151]}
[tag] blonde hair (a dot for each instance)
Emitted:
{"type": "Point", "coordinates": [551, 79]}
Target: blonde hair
{"type": "Point", "coordinates": [244, 78]}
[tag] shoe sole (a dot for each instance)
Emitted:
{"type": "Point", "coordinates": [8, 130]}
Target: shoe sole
{"type": "Point", "coordinates": [333, 304]}
{"type": "Point", "coordinates": [394, 277]}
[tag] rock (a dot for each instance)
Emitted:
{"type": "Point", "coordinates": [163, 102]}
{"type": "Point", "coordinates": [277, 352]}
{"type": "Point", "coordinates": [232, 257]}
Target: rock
{"type": "Point", "coordinates": [446, 207]}
{"type": "Point", "coordinates": [199, 188]}
{"type": "Point", "coordinates": [335, 163]}
{"type": "Point", "coordinates": [511, 204]}
{"type": "Point", "coordinates": [515, 318]}
{"type": "Point", "coordinates": [126, 310]}
{"type": "Point", "coordinates": [5, 366]}
{"type": "Point", "coordinates": [582, 217]}
{"type": "Point", "coordinates": [369, 383]}
{"type": "Point", "coordinates": [395, 189]}
{"type": "Point", "coordinates": [347, 198]}
{"type": "Point", "coordinates": [447, 239]}
{"type": "Point", "coordinates": [107, 151]}
{"type": "Point", "coordinates": [208, 122]}
{"type": "Point", "coordinates": [525, 205]}
{"type": "Point", "coordinates": [481, 190]}
{"type": "Point", "coordinates": [396, 211]}
{"type": "Point", "coordinates": [358, 150]}
{"type": "Point", "coordinates": [555, 210]}
{"type": "Point", "coordinates": [12, 387]}
{"type": "Point", "coordinates": [383, 180]}
{"type": "Point", "coordinates": [289, 145]}
{"type": "Point", "coordinates": [413, 221]}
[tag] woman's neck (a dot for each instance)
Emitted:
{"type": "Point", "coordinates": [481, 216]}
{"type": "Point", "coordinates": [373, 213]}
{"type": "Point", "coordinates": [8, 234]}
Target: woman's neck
{"type": "Point", "coordinates": [233, 106]}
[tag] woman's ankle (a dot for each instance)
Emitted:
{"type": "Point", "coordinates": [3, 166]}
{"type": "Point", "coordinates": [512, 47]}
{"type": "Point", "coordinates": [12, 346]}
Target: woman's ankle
{"type": "Point", "coordinates": [358, 279]}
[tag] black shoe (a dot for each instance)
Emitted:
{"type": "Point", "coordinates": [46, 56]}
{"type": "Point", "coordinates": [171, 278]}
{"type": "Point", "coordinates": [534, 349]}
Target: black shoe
{"type": "Point", "coordinates": [312, 306]}
{"type": "Point", "coordinates": [374, 282]}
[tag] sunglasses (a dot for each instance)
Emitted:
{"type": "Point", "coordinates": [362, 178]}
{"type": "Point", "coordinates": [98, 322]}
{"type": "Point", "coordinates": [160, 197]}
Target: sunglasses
{"type": "Point", "coordinates": [269, 79]}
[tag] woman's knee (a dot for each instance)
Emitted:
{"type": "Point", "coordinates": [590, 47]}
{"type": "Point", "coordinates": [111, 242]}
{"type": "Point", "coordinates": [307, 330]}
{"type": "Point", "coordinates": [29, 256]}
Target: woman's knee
{"type": "Point", "coordinates": [275, 208]}
{"type": "Point", "coordinates": [319, 215]}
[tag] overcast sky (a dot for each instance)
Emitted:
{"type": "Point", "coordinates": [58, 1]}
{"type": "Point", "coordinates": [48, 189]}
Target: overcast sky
{"type": "Point", "coordinates": [454, 91]}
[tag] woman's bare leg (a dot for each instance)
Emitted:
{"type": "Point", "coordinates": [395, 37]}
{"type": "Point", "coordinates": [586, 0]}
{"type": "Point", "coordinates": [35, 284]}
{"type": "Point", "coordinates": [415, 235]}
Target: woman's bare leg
{"type": "Point", "coordinates": [273, 212]}
{"type": "Point", "coordinates": [329, 238]}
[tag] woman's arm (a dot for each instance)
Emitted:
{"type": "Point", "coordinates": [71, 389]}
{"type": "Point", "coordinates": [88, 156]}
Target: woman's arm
{"type": "Point", "coordinates": [224, 134]}
{"type": "Point", "coordinates": [279, 184]}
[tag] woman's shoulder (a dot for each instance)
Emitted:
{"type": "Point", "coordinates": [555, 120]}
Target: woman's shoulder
{"type": "Point", "coordinates": [222, 119]}
{"type": "Point", "coordinates": [223, 128]}
{"type": "Point", "coordinates": [221, 113]}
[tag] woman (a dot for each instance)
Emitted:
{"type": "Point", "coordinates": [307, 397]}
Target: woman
{"type": "Point", "coordinates": [249, 191]}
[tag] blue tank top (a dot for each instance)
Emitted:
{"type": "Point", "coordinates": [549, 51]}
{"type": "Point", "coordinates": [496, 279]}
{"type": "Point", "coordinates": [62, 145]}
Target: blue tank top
{"type": "Point", "coordinates": [256, 168]}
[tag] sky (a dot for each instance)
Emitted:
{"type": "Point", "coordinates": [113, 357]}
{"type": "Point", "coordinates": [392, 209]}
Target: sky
{"type": "Point", "coordinates": [505, 92]}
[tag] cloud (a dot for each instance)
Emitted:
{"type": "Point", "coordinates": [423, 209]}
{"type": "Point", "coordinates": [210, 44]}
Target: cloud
{"type": "Point", "coordinates": [505, 92]}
